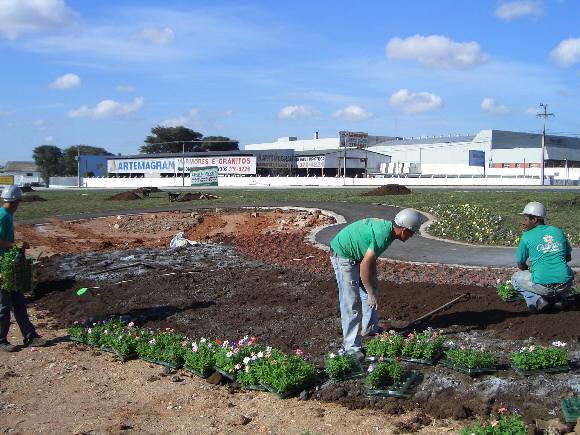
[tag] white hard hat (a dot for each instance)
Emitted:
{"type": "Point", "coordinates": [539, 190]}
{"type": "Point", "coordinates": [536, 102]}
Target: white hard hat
{"type": "Point", "coordinates": [535, 209]}
{"type": "Point", "coordinates": [12, 193]}
{"type": "Point", "coordinates": [409, 218]}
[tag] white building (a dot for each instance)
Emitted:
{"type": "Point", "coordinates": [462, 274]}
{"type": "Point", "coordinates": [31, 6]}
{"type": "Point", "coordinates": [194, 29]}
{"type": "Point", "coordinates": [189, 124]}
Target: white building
{"type": "Point", "coordinates": [24, 173]}
{"type": "Point", "coordinates": [493, 152]}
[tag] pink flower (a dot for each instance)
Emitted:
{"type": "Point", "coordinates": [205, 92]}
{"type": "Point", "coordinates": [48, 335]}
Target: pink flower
{"type": "Point", "coordinates": [502, 410]}
{"type": "Point", "coordinates": [299, 352]}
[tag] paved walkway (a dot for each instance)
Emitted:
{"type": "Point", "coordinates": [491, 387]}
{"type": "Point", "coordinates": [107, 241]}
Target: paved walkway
{"type": "Point", "coordinates": [417, 249]}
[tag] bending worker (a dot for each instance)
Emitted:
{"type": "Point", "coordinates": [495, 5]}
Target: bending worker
{"type": "Point", "coordinates": [13, 300]}
{"type": "Point", "coordinates": [354, 253]}
{"type": "Point", "coordinates": [548, 278]}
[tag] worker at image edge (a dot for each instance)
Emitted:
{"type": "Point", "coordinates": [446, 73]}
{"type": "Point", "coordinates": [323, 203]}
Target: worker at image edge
{"type": "Point", "coordinates": [545, 278]}
{"type": "Point", "coordinates": [354, 253]}
{"type": "Point", "coordinates": [13, 300]}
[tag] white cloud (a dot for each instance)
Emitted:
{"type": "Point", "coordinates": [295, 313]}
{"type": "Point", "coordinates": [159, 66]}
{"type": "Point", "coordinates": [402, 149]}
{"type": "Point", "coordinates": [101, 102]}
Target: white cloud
{"type": "Point", "coordinates": [516, 9]}
{"type": "Point", "coordinates": [49, 139]}
{"type": "Point", "coordinates": [191, 119]}
{"type": "Point", "coordinates": [415, 102]}
{"type": "Point", "coordinates": [490, 106]}
{"type": "Point", "coordinates": [66, 81]}
{"type": "Point", "coordinates": [41, 124]}
{"type": "Point", "coordinates": [352, 113]}
{"type": "Point", "coordinates": [532, 111]}
{"type": "Point", "coordinates": [18, 17]}
{"type": "Point", "coordinates": [567, 52]}
{"type": "Point", "coordinates": [154, 36]}
{"type": "Point", "coordinates": [125, 88]}
{"type": "Point", "coordinates": [107, 109]}
{"type": "Point", "coordinates": [288, 112]}
{"type": "Point", "coordinates": [436, 51]}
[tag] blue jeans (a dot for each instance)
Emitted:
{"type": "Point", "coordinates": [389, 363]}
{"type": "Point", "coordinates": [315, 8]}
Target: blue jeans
{"type": "Point", "coordinates": [13, 300]}
{"type": "Point", "coordinates": [355, 314]}
{"type": "Point", "coordinates": [534, 293]}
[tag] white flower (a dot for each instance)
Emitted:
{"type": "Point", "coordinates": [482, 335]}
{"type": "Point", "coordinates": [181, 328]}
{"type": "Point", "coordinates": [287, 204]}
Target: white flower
{"type": "Point", "coordinates": [194, 347]}
{"type": "Point", "coordinates": [203, 340]}
{"type": "Point", "coordinates": [269, 349]}
{"type": "Point", "coordinates": [260, 354]}
{"type": "Point", "coordinates": [131, 324]}
{"type": "Point", "coordinates": [246, 360]}
{"type": "Point", "coordinates": [559, 344]}
{"type": "Point", "coordinates": [331, 355]}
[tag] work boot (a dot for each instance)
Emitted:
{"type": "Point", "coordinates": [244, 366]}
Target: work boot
{"type": "Point", "coordinates": [540, 305]}
{"type": "Point", "coordinates": [7, 347]}
{"type": "Point", "coordinates": [35, 341]}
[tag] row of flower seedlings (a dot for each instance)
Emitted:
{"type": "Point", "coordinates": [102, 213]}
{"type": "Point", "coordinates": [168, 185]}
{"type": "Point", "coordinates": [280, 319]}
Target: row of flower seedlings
{"type": "Point", "coordinates": [245, 361]}
{"type": "Point", "coordinates": [427, 348]}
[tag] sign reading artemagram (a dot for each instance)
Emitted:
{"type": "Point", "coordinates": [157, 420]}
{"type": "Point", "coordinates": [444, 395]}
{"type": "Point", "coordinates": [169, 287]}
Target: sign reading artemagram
{"type": "Point", "coordinates": [353, 139]}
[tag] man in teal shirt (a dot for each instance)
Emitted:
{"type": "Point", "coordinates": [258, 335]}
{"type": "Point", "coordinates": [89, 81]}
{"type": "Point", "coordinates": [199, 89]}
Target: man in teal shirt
{"type": "Point", "coordinates": [13, 300]}
{"type": "Point", "coordinates": [354, 253]}
{"type": "Point", "coordinates": [547, 279]}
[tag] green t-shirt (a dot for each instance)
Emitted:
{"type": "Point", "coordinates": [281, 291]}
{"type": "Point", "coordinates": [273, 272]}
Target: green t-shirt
{"type": "Point", "coordinates": [547, 248]}
{"type": "Point", "coordinates": [6, 229]}
{"type": "Point", "coordinates": [355, 239]}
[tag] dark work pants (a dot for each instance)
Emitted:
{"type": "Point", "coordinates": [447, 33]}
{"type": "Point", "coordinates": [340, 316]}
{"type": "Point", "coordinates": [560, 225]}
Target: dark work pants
{"type": "Point", "coordinates": [14, 301]}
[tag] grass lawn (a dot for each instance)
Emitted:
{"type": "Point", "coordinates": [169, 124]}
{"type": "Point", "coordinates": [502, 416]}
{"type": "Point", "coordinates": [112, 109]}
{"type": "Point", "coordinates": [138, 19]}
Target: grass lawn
{"type": "Point", "coordinates": [563, 207]}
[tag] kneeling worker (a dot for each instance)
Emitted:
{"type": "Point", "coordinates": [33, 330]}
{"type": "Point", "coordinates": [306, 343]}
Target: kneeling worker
{"type": "Point", "coordinates": [354, 253]}
{"type": "Point", "coordinates": [548, 278]}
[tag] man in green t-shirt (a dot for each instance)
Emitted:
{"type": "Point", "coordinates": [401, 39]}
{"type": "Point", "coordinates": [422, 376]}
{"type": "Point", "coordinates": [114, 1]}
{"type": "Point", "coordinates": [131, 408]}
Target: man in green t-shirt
{"type": "Point", "coordinates": [544, 278]}
{"type": "Point", "coordinates": [354, 253]}
{"type": "Point", "coordinates": [13, 300]}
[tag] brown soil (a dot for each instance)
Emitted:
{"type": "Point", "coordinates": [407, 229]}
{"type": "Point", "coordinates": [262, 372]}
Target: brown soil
{"type": "Point", "coordinates": [32, 198]}
{"type": "Point", "coordinates": [274, 285]}
{"type": "Point", "coordinates": [194, 196]}
{"type": "Point", "coordinates": [389, 189]}
{"type": "Point", "coordinates": [124, 196]}
{"type": "Point", "coordinates": [26, 189]}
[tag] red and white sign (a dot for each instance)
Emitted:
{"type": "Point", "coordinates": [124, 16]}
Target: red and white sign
{"type": "Point", "coordinates": [244, 165]}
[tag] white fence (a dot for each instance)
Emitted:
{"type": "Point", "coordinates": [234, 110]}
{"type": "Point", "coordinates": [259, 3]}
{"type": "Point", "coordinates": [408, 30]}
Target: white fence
{"type": "Point", "coordinates": [316, 181]}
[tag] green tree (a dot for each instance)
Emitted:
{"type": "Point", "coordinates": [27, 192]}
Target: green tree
{"type": "Point", "coordinates": [171, 140]}
{"type": "Point", "coordinates": [219, 143]}
{"type": "Point", "coordinates": [69, 157]}
{"type": "Point", "coordinates": [48, 158]}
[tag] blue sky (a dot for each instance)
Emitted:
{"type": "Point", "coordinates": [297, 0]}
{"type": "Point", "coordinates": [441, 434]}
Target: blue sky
{"type": "Point", "coordinates": [103, 73]}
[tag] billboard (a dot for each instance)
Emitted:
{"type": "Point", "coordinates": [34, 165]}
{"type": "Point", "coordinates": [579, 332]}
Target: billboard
{"type": "Point", "coordinates": [243, 165]}
{"type": "Point", "coordinates": [310, 162]}
{"type": "Point", "coordinates": [207, 176]}
{"type": "Point", "coordinates": [353, 139]}
{"type": "Point", "coordinates": [156, 166]}
{"type": "Point", "coordinates": [476, 158]}
{"type": "Point", "coordinates": [6, 180]}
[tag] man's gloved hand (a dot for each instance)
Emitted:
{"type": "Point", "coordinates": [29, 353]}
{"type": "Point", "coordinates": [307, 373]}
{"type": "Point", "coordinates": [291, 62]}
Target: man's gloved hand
{"type": "Point", "coordinates": [373, 302]}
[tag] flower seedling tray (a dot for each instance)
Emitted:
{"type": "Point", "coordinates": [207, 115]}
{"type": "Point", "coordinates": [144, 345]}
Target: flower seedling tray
{"type": "Point", "coordinates": [254, 388]}
{"type": "Point", "coordinates": [471, 372]}
{"type": "Point", "coordinates": [571, 409]}
{"type": "Point", "coordinates": [203, 375]}
{"type": "Point", "coordinates": [559, 369]}
{"type": "Point", "coordinates": [287, 394]}
{"type": "Point", "coordinates": [161, 363]}
{"type": "Point", "coordinates": [76, 340]}
{"type": "Point", "coordinates": [399, 389]}
{"type": "Point", "coordinates": [225, 374]}
{"type": "Point", "coordinates": [122, 357]}
{"type": "Point", "coordinates": [429, 362]}
{"type": "Point", "coordinates": [354, 375]}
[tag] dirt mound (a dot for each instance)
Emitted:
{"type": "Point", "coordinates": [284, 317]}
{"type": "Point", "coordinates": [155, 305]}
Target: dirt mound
{"type": "Point", "coordinates": [389, 189]}
{"type": "Point", "coordinates": [32, 198]}
{"type": "Point", "coordinates": [27, 189]}
{"type": "Point", "coordinates": [147, 189]}
{"type": "Point", "coordinates": [124, 196]}
{"type": "Point", "coordinates": [194, 196]}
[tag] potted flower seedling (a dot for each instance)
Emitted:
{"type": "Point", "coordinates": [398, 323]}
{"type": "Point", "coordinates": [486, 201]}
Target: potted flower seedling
{"type": "Point", "coordinates": [386, 345]}
{"type": "Point", "coordinates": [121, 339]}
{"type": "Point", "coordinates": [78, 332]}
{"type": "Point", "coordinates": [387, 378]}
{"type": "Point", "coordinates": [504, 422]}
{"type": "Point", "coordinates": [506, 291]}
{"type": "Point", "coordinates": [229, 354]}
{"type": "Point", "coordinates": [341, 366]}
{"type": "Point", "coordinates": [470, 360]}
{"type": "Point", "coordinates": [534, 359]}
{"type": "Point", "coordinates": [200, 357]}
{"type": "Point", "coordinates": [166, 348]}
{"type": "Point", "coordinates": [287, 375]}
{"type": "Point", "coordinates": [423, 347]}
{"type": "Point", "coordinates": [250, 372]}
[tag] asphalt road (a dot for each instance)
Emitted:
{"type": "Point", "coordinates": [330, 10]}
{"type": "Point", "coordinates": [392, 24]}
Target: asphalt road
{"type": "Point", "coordinates": [417, 249]}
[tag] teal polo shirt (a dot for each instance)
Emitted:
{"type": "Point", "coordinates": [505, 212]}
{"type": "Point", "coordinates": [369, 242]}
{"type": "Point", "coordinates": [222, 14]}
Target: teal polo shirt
{"type": "Point", "coordinates": [547, 248]}
{"type": "Point", "coordinates": [6, 229]}
{"type": "Point", "coordinates": [354, 240]}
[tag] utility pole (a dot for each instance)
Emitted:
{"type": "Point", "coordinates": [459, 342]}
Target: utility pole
{"type": "Point", "coordinates": [78, 166]}
{"type": "Point", "coordinates": [183, 164]}
{"type": "Point", "coordinates": [544, 115]}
